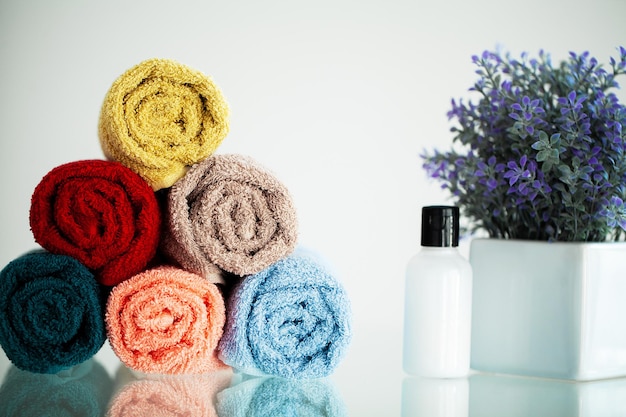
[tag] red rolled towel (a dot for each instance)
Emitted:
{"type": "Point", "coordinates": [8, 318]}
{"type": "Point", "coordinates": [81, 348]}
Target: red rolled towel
{"type": "Point", "coordinates": [166, 320]}
{"type": "Point", "coordinates": [230, 213]}
{"type": "Point", "coordinates": [100, 213]}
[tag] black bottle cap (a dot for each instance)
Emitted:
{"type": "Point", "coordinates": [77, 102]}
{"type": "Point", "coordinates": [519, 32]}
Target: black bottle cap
{"type": "Point", "coordinates": [440, 226]}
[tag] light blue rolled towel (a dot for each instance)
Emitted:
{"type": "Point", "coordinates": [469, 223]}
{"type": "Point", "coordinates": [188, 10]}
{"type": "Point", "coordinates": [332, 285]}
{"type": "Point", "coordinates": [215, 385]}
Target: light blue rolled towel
{"type": "Point", "coordinates": [276, 397]}
{"type": "Point", "coordinates": [290, 320]}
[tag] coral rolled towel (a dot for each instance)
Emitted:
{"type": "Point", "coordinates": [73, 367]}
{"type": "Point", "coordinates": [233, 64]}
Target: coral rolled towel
{"type": "Point", "coordinates": [51, 312]}
{"type": "Point", "coordinates": [160, 117]}
{"type": "Point", "coordinates": [99, 212]}
{"type": "Point", "coordinates": [166, 320]}
{"type": "Point", "coordinates": [229, 212]}
{"type": "Point", "coordinates": [290, 320]}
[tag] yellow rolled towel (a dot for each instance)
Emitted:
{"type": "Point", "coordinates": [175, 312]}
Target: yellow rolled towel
{"type": "Point", "coordinates": [161, 117]}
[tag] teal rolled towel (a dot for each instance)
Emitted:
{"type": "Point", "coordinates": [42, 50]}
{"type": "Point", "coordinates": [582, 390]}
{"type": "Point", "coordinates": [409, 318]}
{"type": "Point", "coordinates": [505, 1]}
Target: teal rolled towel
{"type": "Point", "coordinates": [290, 320]}
{"type": "Point", "coordinates": [51, 312]}
{"type": "Point", "coordinates": [82, 391]}
{"type": "Point", "coordinates": [274, 396]}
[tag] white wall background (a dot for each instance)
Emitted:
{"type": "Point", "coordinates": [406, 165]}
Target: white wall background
{"type": "Point", "coordinates": [337, 97]}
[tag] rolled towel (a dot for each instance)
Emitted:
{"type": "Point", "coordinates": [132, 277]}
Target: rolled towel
{"type": "Point", "coordinates": [99, 212]}
{"type": "Point", "coordinates": [273, 396]}
{"type": "Point", "coordinates": [290, 320]}
{"type": "Point", "coordinates": [171, 395]}
{"type": "Point", "coordinates": [82, 391]}
{"type": "Point", "coordinates": [166, 320]}
{"type": "Point", "coordinates": [160, 117]}
{"type": "Point", "coordinates": [231, 213]}
{"type": "Point", "coordinates": [51, 312]}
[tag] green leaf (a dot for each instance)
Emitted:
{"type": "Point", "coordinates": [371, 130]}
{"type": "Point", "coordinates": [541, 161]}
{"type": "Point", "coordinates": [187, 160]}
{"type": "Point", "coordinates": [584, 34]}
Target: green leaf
{"type": "Point", "coordinates": [538, 146]}
{"type": "Point", "coordinates": [565, 170]}
{"type": "Point", "coordinates": [543, 142]}
{"type": "Point", "coordinates": [555, 139]}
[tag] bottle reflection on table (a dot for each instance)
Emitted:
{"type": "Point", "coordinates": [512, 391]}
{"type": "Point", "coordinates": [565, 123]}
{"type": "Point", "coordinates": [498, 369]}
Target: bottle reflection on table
{"type": "Point", "coordinates": [434, 397]}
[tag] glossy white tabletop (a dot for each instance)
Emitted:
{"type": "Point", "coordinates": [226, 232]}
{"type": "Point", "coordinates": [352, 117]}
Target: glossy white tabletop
{"type": "Point", "coordinates": [369, 382]}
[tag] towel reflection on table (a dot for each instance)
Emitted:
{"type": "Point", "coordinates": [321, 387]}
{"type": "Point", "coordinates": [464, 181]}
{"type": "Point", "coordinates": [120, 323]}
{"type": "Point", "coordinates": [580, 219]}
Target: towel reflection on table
{"type": "Point", "coordinates": [190, 395]}
{"type": "Point", "coordinates": [275, 396]}
{"type": "Point", "coordinates": [81, 391]}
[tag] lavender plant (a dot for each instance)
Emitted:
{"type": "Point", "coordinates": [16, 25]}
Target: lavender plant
{"type": "Point", "coordinates": [542, 153]}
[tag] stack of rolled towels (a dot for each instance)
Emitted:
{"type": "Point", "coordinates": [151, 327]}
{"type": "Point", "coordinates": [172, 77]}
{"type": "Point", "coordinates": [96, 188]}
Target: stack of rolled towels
{"type": "Point", "coordinates": [186, 260]}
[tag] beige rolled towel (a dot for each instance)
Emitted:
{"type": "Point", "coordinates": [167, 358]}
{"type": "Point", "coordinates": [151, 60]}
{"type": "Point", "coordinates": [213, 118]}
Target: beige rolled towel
{"type": "Point", "coordinates": [229, 213]}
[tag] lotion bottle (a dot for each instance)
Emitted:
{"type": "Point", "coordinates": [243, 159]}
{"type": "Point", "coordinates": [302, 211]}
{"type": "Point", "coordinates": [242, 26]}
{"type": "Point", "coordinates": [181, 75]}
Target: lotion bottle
{"type": "Point", "coordinates": [438, 300]}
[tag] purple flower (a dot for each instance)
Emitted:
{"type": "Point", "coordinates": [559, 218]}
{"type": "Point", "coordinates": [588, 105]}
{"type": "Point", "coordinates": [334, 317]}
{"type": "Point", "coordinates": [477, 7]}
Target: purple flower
{"type": "Point", "coordinates": [488, 173]}
{"type": "Point", "coordinates": [541, 152]}
{"type": "Point", "coordinates": [517, 172]}
{"type": "Point", "coordinates": [528, 115]}
{"type": "Point", "coordinates": [615, 212]}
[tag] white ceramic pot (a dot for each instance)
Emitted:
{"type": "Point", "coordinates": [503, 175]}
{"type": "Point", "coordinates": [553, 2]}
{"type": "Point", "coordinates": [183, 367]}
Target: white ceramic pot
{"type": "Point", "coordinates": [555, 310]}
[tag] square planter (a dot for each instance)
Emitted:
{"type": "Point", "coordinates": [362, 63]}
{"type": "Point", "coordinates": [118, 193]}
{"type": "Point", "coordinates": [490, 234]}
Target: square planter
{"type": "Point", "coordinates": [555, 310]}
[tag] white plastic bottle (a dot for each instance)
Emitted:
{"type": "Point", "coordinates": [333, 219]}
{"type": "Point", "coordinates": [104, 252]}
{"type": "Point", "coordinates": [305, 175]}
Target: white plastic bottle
{"type": "Point", "coordinates": [438, 300]}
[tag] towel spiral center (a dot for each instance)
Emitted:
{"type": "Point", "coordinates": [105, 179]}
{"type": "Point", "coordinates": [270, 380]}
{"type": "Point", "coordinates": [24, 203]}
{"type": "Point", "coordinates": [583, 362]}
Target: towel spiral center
{"type": "Point", "coordinates": [160, 322]}
{"type": "Point", "coordinates": [164, 116]}
{"type": "Point", "coordinates": [298, 332]}
{"type": "Point", "coordinates": [92, 213]}
{"type": "Point", "coordinates": [52, 313]}
{"type": "Point", "coordinates": [242, 220]}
